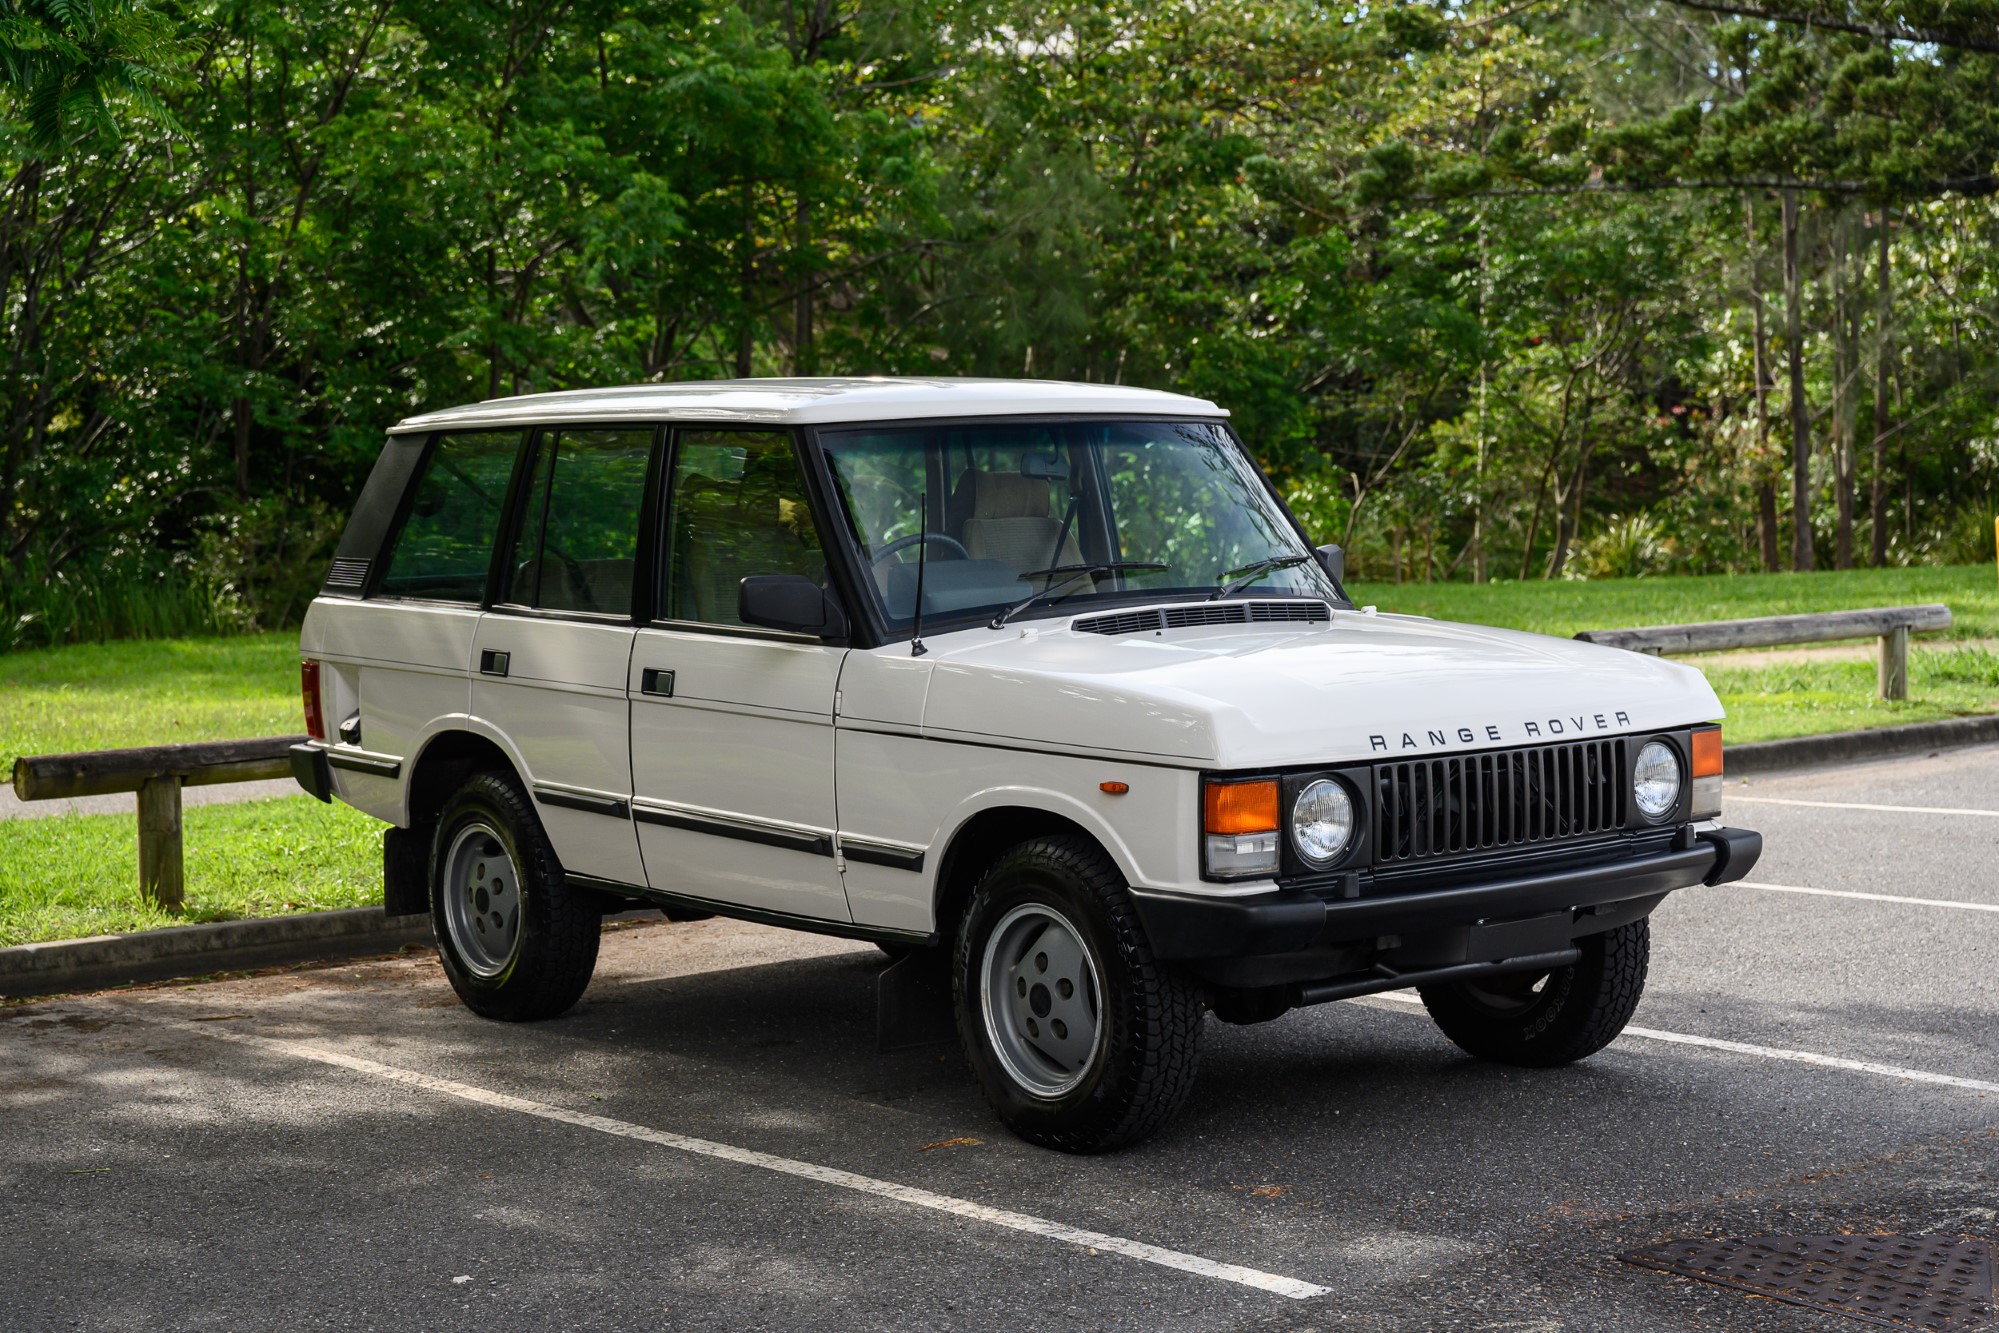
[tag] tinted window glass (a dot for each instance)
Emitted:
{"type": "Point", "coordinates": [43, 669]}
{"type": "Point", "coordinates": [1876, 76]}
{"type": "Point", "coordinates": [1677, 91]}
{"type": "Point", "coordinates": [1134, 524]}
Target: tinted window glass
{"type": "Point", "coordinates": [447, 541]}
{"type": "Point", "coordinates": [738, 508]}
{"type": "Point", "coordinates": [579, 531]}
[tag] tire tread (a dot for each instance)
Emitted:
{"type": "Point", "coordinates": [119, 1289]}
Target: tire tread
{"type": "Point", "coordinates": [1167, 1013]}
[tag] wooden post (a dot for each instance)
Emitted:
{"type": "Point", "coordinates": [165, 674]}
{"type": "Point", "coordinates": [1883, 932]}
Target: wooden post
{"type": "Point", "coordinates": [1894, 673]}
{"type": "Point", "coordinates": [160, 875]}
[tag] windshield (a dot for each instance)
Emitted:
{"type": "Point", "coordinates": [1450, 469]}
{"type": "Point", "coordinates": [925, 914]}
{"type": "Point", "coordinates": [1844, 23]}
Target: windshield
{"type": "Point", "coordinates": [1073, 512]}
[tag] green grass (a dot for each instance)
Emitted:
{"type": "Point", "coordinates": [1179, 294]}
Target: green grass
{"type": "Point", "coordinates": [1767, 702]}
{"type": "Point", "coordinates": [1806, 698]}
{"type": "Point", "coordinates": [101, 696]}
{"type": "Point", "coordinates": [72, 875]}
{"type": "Point", "coordinates": [1562, 606]}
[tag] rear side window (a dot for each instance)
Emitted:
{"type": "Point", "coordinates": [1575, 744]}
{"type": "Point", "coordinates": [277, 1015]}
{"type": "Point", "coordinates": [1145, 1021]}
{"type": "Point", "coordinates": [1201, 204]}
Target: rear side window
{"type": "Point", "coordinates": [446, 544]}
{"type": "Point", "coordinates": [579, 532]}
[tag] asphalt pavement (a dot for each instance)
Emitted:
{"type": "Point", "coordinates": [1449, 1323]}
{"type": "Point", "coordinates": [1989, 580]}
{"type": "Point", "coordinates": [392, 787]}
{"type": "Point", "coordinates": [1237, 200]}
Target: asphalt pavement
{"type": "Point", "coordinates": [710, 1139]}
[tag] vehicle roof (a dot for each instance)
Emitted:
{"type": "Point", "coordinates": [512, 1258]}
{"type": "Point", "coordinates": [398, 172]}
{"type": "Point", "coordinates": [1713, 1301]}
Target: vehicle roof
{"type": "Point", "coordinates": [798, 402]}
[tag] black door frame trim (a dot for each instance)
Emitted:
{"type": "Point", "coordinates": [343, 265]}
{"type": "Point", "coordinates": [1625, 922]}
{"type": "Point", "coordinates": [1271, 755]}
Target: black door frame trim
{"type": "Point", "coordinates": [814, 844]}
{"type": "Point", "coordinates": [576, 800]}
{"type": "Point", "coordinates": [878, 854]}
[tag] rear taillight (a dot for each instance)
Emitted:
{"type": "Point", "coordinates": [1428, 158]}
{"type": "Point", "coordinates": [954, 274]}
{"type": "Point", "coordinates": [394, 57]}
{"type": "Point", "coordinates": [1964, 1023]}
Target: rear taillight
{"type": "Point", "coordinates": [308, 688]}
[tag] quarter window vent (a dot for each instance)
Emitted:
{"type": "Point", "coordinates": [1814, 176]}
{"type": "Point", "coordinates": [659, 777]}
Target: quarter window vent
{"type": "Point", "coordinates": [1154, 619]}
{"type": "Point", "coordinates": [346, 575]}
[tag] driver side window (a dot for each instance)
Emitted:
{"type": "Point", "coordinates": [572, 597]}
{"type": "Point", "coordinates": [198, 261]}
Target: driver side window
{"type": "Point", "coordinates": [737, 507]}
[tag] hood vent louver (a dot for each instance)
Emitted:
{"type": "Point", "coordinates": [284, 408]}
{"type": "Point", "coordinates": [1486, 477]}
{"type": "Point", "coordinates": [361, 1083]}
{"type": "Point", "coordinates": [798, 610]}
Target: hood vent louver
{"type": "Point", "coordinates": [1154, 619]}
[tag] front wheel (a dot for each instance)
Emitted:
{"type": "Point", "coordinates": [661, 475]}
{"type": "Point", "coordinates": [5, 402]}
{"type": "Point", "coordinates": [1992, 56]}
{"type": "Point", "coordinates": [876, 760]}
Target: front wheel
{"type": "Point", "coordinates": [1543, 1019]}
{"type": "Point", "coordinates": [517, 943]}
{"type": "Point", "coordinates": [1080, 1038]}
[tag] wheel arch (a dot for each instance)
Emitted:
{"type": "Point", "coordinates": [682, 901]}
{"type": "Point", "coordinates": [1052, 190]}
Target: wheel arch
{"type": "Point", "coordinates": [984, 835]}
{"type": "Point", "coordinates": [446, 760]}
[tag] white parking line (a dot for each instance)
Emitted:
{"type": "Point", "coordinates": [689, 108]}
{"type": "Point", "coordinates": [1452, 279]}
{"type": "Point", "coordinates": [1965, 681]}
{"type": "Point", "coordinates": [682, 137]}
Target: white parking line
{"type": "Point", "coordinates": [1870, 897]}
{"type": "Point", "coordinates": [825, 1175]}
{"type": "Point", "coordinates": [1769, 1053]}
{"type": "Point", "coordinates": [1862, 805]}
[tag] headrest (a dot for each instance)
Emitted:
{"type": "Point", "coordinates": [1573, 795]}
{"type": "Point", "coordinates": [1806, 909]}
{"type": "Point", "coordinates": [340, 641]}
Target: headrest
{"type": "Point", "coordinates": [1009, 495]}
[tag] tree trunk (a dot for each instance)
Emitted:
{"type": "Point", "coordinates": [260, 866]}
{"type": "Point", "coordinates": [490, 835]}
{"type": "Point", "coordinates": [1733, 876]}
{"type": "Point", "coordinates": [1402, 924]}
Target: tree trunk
{"type": "Point", "coordinates": [1877, 508]}
{"type": "Point", "coordinates": [1766, 524]}
{"type": "Point", "coordinates": [239, 412]}
{"type": "Point", "coordinates": [1845, 370]}
{"type": "Point", "coordinates": [801, 303]}
{"type": "Point", "coordinates": [1802, 557]}
{"type": "Point", "coordinates": [1766, 482]}
{"type": "Point", "coordinates": [746, 293]}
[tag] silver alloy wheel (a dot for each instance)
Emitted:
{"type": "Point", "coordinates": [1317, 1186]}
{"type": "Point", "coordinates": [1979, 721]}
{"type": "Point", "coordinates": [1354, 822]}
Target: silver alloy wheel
{"type": "Point", "coordinates": [1042, 1000]}
{"type": "Point", "coordinates": [482, 901]}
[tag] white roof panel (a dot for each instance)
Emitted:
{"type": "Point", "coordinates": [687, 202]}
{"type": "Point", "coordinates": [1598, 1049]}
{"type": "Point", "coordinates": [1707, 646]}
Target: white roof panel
{"type": "Point", "coordinates": [798, 402]}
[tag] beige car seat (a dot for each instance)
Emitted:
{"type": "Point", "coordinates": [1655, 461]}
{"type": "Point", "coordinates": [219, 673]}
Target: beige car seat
{"type": "Point", "coordinates": [1011, 522]}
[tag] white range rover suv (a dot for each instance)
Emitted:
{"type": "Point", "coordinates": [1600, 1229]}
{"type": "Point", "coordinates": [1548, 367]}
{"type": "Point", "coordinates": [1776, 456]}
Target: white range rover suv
{"type": "Point", "coordinates": [1036, 685]}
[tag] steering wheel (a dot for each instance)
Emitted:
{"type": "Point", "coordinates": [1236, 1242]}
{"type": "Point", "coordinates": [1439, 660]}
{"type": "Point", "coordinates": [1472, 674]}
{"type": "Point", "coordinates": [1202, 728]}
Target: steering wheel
{"type": "Point", "coordinates": [904, 543]}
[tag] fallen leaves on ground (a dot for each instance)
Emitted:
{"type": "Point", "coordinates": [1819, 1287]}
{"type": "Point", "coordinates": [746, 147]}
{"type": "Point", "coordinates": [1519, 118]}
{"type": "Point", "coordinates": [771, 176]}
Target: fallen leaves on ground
{"type": "Point", "coordinates": [964, 1142]}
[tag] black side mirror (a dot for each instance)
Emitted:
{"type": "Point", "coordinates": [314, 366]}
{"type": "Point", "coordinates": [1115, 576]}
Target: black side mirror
{"type": "Point", "coordinates": [1334, 561]}
{"type": "Point", "coordinates": [790, 602]}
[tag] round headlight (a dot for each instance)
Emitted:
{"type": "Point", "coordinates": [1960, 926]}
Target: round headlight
{"type": "Point", "coordinates": [1655, 780]}
{"type": "Point", "coordinates": [1322, 821]}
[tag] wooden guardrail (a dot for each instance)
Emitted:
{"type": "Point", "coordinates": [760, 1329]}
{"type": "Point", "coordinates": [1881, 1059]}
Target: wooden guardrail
{"type": "Point", "coordinates": [157, 773]}
{"type": "Point", "coordinates": [1891, 624]}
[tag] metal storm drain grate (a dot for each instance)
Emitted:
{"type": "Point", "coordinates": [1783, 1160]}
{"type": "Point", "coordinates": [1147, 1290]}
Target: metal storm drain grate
{"type": "Point", "coordinates": [1942, 1283]}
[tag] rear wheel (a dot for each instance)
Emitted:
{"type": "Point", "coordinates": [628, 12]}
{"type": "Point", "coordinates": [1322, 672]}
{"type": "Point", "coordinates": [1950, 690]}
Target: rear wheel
{"type": "Point", "coordinates": [1082, 1040]}
{"type": "Point", "coordinates": [1542, 1019]}
{"type": "Point", "coordinates": [517, 943]}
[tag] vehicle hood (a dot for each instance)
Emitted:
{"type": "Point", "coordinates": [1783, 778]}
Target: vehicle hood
{"type": "Point", "coordinates": [1356, 687]}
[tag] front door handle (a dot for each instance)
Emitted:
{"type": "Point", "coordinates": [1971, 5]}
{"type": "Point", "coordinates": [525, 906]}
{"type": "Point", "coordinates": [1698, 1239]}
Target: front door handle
{"type": "Point", "coordinates": [492, 662]}
{"type": "Point", "coordinates": [653, 680]}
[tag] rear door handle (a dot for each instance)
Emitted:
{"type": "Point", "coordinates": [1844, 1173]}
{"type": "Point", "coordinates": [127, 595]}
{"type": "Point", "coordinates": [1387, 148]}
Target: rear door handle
{"type": "Point", "coordinates": [653, 680]}
{"type": "Point", "coordinates": [492, 662]}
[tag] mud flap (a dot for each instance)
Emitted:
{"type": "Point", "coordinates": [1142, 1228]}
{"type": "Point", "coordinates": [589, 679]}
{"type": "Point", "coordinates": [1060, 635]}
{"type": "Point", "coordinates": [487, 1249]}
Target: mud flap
{"type": "Point", "coordinates": [913, 1002]}
{"type": "Point", "coordinates": [406, 871]}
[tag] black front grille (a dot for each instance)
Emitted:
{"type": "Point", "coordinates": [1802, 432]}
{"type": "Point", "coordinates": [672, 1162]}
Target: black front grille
{"type": "Point", "coordinates": [1462, 804]}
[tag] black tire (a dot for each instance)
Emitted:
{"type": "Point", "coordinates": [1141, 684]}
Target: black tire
{"type": "Point", "coordinates": [1545, 1019]}
{"type": "Point", "coordinates": [542, 966]}
{"type": "Point", "coordinates": [1147, 1017]}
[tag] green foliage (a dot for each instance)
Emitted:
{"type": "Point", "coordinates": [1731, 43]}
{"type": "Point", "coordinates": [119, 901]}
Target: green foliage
{"type": "Point", "coordinates": [1478, 282]}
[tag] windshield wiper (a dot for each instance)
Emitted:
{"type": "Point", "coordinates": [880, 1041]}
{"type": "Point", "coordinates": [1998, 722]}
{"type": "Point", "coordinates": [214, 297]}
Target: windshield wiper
{"type": "Point", "coordinates": [1074, 572]}
{"type": "Point", "coordinates": [1248, 574]}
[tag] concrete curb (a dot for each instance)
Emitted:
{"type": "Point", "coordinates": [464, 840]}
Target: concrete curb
{"type": "Point", "coordinates": [1840, 747]}
{"type": "Point", "coordinates": [102, 961]}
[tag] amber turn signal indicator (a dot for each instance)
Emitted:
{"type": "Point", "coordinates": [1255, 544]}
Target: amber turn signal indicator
{"type": "Point", "coordinates": [1113, 788]}
{"type": "Point", "coordinates": [1707, 752]}
{"type": "Point", "coordinates": [1240, 807]}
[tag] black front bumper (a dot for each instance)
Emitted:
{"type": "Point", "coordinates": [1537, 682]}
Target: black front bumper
{"type": "Point", "coordinates": [1280, 936]}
